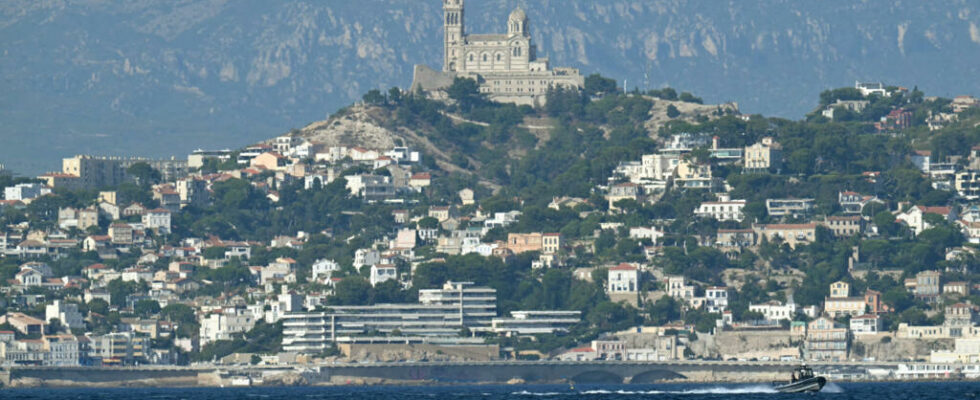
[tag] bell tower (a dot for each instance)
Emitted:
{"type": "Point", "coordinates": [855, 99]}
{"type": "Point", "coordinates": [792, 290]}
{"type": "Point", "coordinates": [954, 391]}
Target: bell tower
{"type": "Point", "coordinates": [453, 13]}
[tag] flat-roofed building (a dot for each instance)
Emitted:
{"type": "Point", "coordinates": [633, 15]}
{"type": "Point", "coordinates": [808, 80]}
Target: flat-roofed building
{"type": "Point", "coordinates": [536, 322]}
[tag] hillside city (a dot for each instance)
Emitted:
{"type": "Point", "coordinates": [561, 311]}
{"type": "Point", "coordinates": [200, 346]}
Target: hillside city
{"type": "Point", "coordinates": [728, 237]}
{"type": "Point", "coordinates": [505, 209]}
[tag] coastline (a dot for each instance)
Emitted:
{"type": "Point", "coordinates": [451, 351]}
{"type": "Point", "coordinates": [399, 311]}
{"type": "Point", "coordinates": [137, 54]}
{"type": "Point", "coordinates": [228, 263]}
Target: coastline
{"type": "Point", "coordinates": [340, 375]}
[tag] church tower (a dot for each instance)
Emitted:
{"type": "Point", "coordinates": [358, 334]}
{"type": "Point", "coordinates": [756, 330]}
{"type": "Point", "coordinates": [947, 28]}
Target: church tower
{"type": "Point", "coordinates": [517, 23]}
{"type": "Point", "coordinates": [453, 12]}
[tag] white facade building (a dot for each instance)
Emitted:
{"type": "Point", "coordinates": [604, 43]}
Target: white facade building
{"type": "Point", "coordinates": [383, 272]}
{"type": "Point", "coordinates": [722, 210]}
{"type": "Point", "coordinates": [67, 313]}
{"type": "Point", "coordinates": [623, 278]}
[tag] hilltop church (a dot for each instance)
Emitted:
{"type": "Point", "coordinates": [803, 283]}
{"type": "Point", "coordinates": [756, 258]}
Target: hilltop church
{"type": "Point", "coordinates": [505, 65]}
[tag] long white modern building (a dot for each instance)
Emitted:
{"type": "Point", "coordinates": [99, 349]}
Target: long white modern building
{"type": "Point", "coordinates": [440, 312]}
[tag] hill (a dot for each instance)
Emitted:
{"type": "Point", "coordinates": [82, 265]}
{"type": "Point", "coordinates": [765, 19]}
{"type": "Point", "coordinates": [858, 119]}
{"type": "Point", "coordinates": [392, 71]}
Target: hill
{"type": "Point", "coordinates": [162, 78]}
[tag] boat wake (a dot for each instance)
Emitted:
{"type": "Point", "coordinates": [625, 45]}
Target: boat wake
{"type": "Point", "coordinates": [832, 388]}
{"type": "Point", "coordinates": [754, 389]}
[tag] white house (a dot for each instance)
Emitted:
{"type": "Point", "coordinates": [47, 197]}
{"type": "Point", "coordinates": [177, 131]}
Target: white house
{"type": "Point", "coordinates": [651, 233]}
{"type": "Point", "coordinates": [67, 313]}
{"type": "Point", "coordinates": [324, 268]}
{"type": "Point", "coordinates": [866, 325]}
{"type": "Point", "coordinates": [623, 278]}
{"type": "Point", "coordinates": [915, 217]}
{"type": "Point", "coordinates": [722, 210]}
{"type": "Point", "coordinates": [383, 272]}
{"type": "Point", "coordinates": [716, 299]}
{"type": "Point", "coordinates": [157, 219]}
{"type": "Point", "coordinates": [678, 288]}
{"type": "Point", "coordinates": [775, 311]}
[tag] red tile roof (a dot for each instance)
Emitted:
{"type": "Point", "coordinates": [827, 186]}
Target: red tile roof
{"type": "Point", "coordinates": [623, 267]}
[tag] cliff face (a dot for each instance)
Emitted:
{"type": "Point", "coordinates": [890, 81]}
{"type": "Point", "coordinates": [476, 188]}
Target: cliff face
{"type": "Point", "coordinates": [155, 78]}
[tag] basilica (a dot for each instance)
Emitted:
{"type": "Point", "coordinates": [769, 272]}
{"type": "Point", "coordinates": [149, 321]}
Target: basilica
{"type": "Point", "coordinates": [504, 64]}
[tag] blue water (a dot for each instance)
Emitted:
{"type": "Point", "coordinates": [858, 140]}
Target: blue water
{"type": "Point", "coordinates": [843, 391]}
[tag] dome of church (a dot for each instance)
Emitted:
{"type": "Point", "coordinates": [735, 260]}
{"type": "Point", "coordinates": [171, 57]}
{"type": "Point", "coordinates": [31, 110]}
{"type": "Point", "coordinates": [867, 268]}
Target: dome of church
{"type": "Point", "coordinates": [518, 14]}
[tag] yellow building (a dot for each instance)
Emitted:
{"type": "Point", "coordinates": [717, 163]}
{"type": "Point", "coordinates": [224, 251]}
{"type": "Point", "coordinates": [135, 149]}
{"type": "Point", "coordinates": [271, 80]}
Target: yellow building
{"type": "Point", "coordinates": [763, 156]}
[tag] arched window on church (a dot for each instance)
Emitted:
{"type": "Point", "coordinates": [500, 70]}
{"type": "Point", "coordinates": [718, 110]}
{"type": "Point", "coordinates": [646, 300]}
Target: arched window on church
{"type": "Point", "coordinates": [485, 58]}
{"type": "Point", "coordinates": [500, 57]}
{"type": "Point", "coordinates": [472, 58]}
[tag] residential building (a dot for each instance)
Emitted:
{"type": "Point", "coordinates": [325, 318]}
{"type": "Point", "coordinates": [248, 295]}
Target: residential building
{"type": "Point", "coordinates": [872, 88]}
{"type": "Point", "coordinates": [846, 226]}
{"type": "Point", "coordinates": [789, 207]}
{"type": "Point", "coordinates": [854, 202]}
{"type": "Point", "coordinates": [523, 323]}
{"type": "Point", "coordinates": [722, 210]}
{"type": "Point", "coordinates": [957, 288]}
{"type": "Point", "coordinates": [78, 218]}
{"type": "Point", "coordinates": [623, 278]}
{"type": "Point", "coordinates": [420, 180]}
{"type": "Point", "coordinates": [623, 191]}
{"type": "Point", "coordinates": [716, 299]}
{"type": "Point", "coordinates": [551, 243]}
{"type": "Point", "coordinates": [196, 158]}
{"type": "Point", "coordinates": [915, 217]}
{"type": "Point", "coordinates": [66, 313]}
{"type": "Point", "coordinates": [25, 192]}
{"type": "Point", "coordinates": [324, 268]}
{"type": "Point", "coordinates": [121, 234]}
{"type": "Point", "coordinates": [840, 290]}
{"type": "Point", "coordinates": [690, 175]}
{"type": "Point", "coordinates": [650, 233]}
{"type": "Point", "coordinates": [735, 238]}
{"type": "Point", "coordinates": [439, 313]}
{"type": "Point", "coordinates": [764, 156]}
{"type": "Point", "coordinates": [94, 172]}
{"type": "Point", "coordinates": [678, 288]}
{"type": "Point", "coordinates": [370, 187]}
{"type": "Point", "coordinates": [840, 306]}
{"type": "Point", "coordinates": [967, 184]}
{"type": "Point", "coordinates": [158, 220]}
{"type": "Point", "coordinates": [224, 325]}
{"type": "Point", "coordinates": [826, 340]}
{"type": "Point", "coordinates": [927, 286]}
{"type": "Point", "coordinates": [963, 103]}
{"type": "Point", "coordinates": [23, 323]}
{"type": "Point", "coordinates": [270, 161]}
{"type": "Point", "coordinates": [775, 311]}
{"type": "Point", "coordinates": [193, 192]}
{"type": "Point", "coordinates": [524, 242]}
{"type": "Point", "coordinates": [791, 234]}
{"type": "Point", "coordinates": [383, 272]}
{"type": "Point", "coordinates": [855, 106]}
{"type": "Point", "coordinates": [120, 348]}
{"type": "Point", "coordinates": [867, 324]}
{"type": "Point", "coordinates": [960, 315]}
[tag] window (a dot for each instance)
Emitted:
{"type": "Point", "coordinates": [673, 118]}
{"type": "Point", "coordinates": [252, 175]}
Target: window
{"type": "Point", "coordinates": [485, 58]}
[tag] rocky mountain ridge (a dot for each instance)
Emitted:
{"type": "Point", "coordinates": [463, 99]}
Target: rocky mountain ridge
{"type": "Point", "coordinates": [141, 77]}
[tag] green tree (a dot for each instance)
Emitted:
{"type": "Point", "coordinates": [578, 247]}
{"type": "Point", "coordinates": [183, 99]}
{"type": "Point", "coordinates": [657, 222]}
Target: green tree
{"type": "Point", "coordinates": [352, 291]}
{"type": "Point", "coordinates": [672, 111]}
{"type": "Point", "coordinates": [466, 93]}
{"type": "Point", "coordinates": [146, 308]}
{"type": "Point", "coordinates": [374, 97]}
{"type": "Point", "coordinates": [428, 223]}
{"type": "Point", "coordinates": [143, 173]}
{"type": "Point", "coordinates": [98, 306]}
{"type": "Point", "coordinates": [596, 84]}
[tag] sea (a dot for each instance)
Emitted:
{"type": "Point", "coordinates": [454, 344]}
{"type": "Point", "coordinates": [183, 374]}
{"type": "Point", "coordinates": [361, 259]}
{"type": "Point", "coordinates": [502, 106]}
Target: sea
{"type": "Point", "coordinates": [833, 391]}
